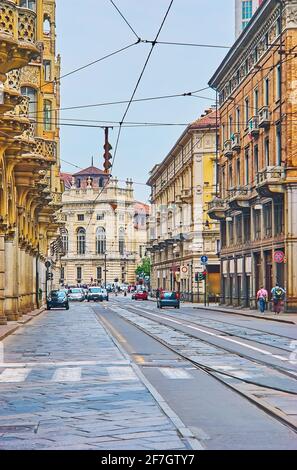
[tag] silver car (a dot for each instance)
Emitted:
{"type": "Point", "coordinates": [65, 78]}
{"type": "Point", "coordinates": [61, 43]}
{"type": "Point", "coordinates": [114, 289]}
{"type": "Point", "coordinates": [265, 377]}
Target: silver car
{"type": "Point", "coordinates": [76, 294]}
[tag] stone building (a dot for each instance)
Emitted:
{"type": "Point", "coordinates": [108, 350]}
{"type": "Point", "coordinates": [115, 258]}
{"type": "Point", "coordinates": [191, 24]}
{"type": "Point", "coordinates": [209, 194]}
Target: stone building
{"type": "Point", "coordinates": [180, 231]}
{"type": "Point", "coordinates": [30, 187]}
{"type": "Point", "coordinates": [105, 229]}
{"type": "Point", "coordinates": [257, 207]}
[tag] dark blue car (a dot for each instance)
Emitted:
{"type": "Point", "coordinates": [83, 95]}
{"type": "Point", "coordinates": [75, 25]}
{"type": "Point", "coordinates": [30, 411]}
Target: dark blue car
{"type": "Point", "coordinates": [168, 299]}
{"type": "Point", "coordinates": [57, 299]}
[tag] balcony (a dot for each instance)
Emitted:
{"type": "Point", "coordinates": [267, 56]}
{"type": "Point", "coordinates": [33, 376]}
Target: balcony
{"type": "Point", "coordinates": [217, 209]}
{"type": "Point", "coordinates": [18, 35]}
{"type": "Point", "coordinates": [264, 117]}
{"type": "Point", "coordinates": [239, 198]}
{"type": "Point", "coordinates": [253, 127]}
{"type": "Point", "coordinates": [228, 152]}
{"type": "Point", "coordinates": [236, 145]}
{"type": "Point", "coordinates": [186, 195]}
{"type": "Point", "coordinates": [270, 180]}
{"type": "Point", "coordinates": [46, 148]}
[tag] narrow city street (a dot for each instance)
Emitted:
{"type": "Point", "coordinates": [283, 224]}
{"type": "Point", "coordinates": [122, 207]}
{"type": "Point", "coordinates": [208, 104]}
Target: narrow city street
{"type": "Point", "coordinates": [124, 375]}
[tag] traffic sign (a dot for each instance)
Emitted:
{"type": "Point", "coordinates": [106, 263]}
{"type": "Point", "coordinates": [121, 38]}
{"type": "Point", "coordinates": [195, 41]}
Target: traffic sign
{"type": "Point", "coordinates": [279, 256]}
{"type": "Point", "coordinates": [204, 259]}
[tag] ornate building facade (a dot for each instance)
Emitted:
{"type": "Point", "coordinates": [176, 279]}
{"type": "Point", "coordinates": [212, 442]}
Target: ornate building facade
{"type": "Point", "coordinates": [30, 186]}
{"type": "Point", "coordinates": [105, 232]}
{"type": "Point", "coordinates": [180, 231]}
{"type": "Point", "coordinates": [257, 206]}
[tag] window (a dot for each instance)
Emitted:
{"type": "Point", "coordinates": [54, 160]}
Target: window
{"type": "Point", "coordinates": [266, 151]}
{"type": "Point", "coordinates": [47, 115]}
{"type": "Point", "coordinates": [78, 183]}
{"type": "Point", "coordinates": [79, 274]}
{"type": "Point", "coordinates": [247, 168]}
{"type": "Point", "coordinates": [247, 9]}
{"type": "Point", "coordinates": [278, 26]}
{"type": "Point", "coordinates": [231, 233]}
{"type": "Point", "coordinates": [256, 158]}
{"type": "Point", "coordinates": [238, 225]}
{"type": "Point", "coordinates": [247, 112]}
{"type": "Point", "coordinates": [278, 146]}
{"type": "Point", "coordinates": [247, 226]}
{"type": "Point", "coordinates": [266, 91]}
{"type": "Point", "coordinates": [257, 224]}
{"type": "Point", "coordinates": [267, 215]}
{"type": "Point", "coordinates": [230, 176]}
{"type": "Point", "coordinates": [30, 4]}
{"type": "Point", "coordinates": [238, 119]}
{"type": "Point", "coordinates": [223, 182]}
{"type": "Point", "coordinates": [46, 25]}
{"type": "Point", "coordinates": [223, 234]}
{"type": "Point", "coordinates": [122, 240]}
{"type": "Point", "coordinates": [100, 241]}
{"type": "Point", "coordinates": [100, 216]}
{"type": "Point", "coordinates": [230, 126]}
{"type": "Point", "coordinates": [31, 93]}
{"type": "Point", "coordinates": [101, 182]}
{"type": "Point", "coordinates": [65, 241]}
{"type": "Point", "coordinates": [99, 274]}
{"type": "Point", "coordinates": [47, 68]}
{"type": "Point", "coordinates": [278, 82]}
{"type": "Point", "coordinates": [256, 101]}
{"type": "Point", "coordinates": [80, 217]}
{"type": "Point", "coordinates": [238, 172]}
{"type": "Point", "coordinates": [279, 217]}
{"type": "Point", "coordinates": [223, 134]}
{"type": "Point", "coordinates": [81, 241]}
{"type": "Point", "coordinates": [62, 274]}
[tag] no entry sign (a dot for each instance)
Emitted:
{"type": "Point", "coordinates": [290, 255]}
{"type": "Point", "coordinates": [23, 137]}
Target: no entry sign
{"type": "Point", "coordinates": [279, 256]}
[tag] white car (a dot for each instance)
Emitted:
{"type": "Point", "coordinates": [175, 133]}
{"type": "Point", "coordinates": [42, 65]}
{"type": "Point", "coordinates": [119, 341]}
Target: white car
{"type": "Point", "coordinates": [76, 294]}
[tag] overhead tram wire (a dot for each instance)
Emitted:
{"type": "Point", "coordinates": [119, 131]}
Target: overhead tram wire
{"type": "Point", "coordinates": [132, 96]}
{"type": "Point", "coordinates": [79, 69]}
{"type": "Point", "coordinates": [125, 19]}
{"type": "Point", "coordinates": [111, 103]}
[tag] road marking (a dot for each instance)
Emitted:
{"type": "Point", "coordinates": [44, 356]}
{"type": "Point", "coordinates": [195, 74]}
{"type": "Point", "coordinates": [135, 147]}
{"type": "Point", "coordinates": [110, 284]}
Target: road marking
{"type": "Point", "coordinates": [67, 374]}
{"type": "Point", "coordinates": [62, 364]}
{"type": "Point", "coordinates": [121, 373]}
{"type": "Point", "coordinates": [175, 373]}
{"type": "Point", "coordinates": [14, 375]}
{"type": "Point", "coordinates": [263, 351]}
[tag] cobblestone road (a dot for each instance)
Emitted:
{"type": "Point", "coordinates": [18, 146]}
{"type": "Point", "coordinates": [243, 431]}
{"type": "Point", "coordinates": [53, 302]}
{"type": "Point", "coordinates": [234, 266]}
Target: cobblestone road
{"type": "Point", "coordinates": [65, 385]}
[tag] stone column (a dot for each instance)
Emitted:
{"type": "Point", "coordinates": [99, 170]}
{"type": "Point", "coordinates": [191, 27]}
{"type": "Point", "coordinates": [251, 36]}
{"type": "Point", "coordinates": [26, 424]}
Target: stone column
{"type": "Point", "coordinates": [3, 319]}
{"type": "Point", "coordinates": [11, 284]}
{"type": "Point", "coordinates": [291, 247]}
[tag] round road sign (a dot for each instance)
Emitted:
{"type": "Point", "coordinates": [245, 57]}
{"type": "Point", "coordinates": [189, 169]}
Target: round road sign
{"type": "Point", "coordinates": [279, 256]}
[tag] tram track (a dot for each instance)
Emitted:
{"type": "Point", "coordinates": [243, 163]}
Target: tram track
{"type": "Point", "coordinates": [220, 375]}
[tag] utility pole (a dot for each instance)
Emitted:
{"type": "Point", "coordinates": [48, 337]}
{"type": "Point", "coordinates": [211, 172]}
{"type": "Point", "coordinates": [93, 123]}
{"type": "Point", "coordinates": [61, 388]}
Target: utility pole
{"type": "Point", "coordinates": [105, 258]}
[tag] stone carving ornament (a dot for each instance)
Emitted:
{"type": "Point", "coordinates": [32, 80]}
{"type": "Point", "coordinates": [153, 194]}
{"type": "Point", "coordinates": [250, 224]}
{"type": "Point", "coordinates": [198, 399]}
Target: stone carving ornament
{"type": "Point", "coordinates": [291, 15]}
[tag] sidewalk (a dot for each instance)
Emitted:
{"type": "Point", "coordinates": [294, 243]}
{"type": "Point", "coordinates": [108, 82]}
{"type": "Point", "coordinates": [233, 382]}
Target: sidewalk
{"type": "Point", "coordinates": [282, 317]}
{"type": "Point", "coordinates": [12, 326]}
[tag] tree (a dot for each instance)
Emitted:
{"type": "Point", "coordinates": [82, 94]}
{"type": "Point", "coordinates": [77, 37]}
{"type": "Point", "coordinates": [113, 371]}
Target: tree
{"type": "Point", "coordinates": [144, 269]}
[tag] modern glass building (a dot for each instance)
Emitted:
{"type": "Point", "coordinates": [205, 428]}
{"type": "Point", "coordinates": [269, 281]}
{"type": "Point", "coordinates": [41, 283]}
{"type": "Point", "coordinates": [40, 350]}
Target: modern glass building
{"type": "Point", "coordinates": [244, 10]}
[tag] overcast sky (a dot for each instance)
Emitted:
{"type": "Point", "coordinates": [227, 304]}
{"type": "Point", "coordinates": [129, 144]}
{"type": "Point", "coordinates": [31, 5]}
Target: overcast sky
{"type": "Point", "coordinates": [90, 29]}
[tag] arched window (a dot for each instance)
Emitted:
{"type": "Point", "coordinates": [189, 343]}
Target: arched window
{"type": "Point", "coordinates": [101, 182]}
{"type": "Point", "coordinates": [31, 4]}
{"type": "Point", "coordinates": [31, 93]}
{"type": "Point", "coordinates": [100, 241]}
{"type": "Point", "coordinates": [46, 25]}
{"type": "Point", "coordinates": [47, 115]}
{"type": "Point", "coordinates": [81, 241]}
{"type": "Point", "coordinates": [122, 240]}
{"type": "Point", "coordinates": [65, 241]}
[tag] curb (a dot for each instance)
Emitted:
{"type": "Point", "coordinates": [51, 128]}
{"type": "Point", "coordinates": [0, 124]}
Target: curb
{"type": "Point", "coordinates": [244, 314]}
{"type": "Point", "coordinates": [32, 315]}
{"type": "Point", "coordinates": [184, 432]}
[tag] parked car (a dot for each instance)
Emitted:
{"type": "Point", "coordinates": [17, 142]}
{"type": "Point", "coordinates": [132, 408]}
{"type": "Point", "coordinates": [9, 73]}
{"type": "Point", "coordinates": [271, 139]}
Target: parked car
{"type": "Point", "coordinates": [168, 299]}
{"type": "Point", "coordinates": [76, 294]}
{"type": "Point", "coordinates": [97, 293]}
{"type": "Point", "coordinates": [140, 295]}
{"type": "Point", "coordinates": [57, 299]}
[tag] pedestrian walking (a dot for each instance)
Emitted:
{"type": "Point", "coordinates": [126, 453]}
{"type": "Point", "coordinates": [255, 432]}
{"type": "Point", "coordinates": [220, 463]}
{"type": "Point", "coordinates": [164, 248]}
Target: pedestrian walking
{"type": "Point", "coordinates": [262, 297]}
{"type": "Point", "coordinates": [278, 295]}
{"type": "Point", "coordinates": [158, 293]}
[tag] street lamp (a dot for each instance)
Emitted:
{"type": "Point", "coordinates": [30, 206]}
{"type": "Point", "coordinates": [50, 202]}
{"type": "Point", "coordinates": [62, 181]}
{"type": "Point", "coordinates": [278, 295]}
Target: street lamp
{"type": "Point", "coordinates": [105, 270]}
